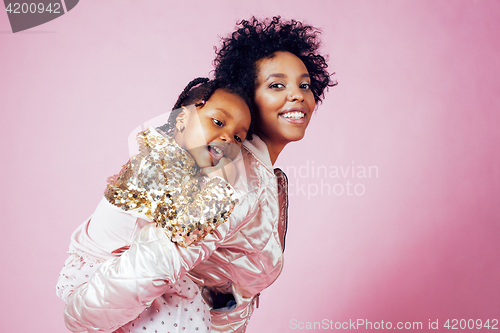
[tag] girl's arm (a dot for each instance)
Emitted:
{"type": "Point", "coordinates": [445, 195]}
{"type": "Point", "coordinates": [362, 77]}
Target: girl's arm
{"type": "Point", "coordinates": [123, 287]}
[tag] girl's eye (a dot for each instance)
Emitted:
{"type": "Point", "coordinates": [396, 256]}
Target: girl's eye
{"type": "Point", "coordinates": [237, 138]}
{"type": "Point", "coordinates": [305, 86]}
{"type": "Point", "coordinates": [217, 122]}
{"type": "Point", "coordinates": [277, 85]}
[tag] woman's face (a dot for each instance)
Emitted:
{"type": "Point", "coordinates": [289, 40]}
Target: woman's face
{"type": "Point", "coordinates": [283, 98]}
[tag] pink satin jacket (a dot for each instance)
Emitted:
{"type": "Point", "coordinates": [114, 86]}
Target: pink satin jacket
{"type": "Point", "coordinates": [119, 267]}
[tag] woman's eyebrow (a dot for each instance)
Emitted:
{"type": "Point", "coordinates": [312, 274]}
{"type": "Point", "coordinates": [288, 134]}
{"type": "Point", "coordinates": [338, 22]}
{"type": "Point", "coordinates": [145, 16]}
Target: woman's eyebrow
{"type": "Point", "coordinates": [284, 75]}
{"type": "Point", "coordinates": [276, 75]}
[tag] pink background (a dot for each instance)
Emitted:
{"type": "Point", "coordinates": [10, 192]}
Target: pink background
{"type": "Point", "coordinates": [418, 98]}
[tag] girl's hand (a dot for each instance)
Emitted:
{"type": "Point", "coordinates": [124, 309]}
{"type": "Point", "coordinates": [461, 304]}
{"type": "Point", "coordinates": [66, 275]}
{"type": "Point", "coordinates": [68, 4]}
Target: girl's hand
{"type": "Point", "coordinates": [224, 169]}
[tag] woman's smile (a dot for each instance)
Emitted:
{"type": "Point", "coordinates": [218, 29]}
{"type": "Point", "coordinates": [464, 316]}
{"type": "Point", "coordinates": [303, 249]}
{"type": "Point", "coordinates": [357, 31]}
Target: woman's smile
{"type": "Point", "coordinates": [294, 115]}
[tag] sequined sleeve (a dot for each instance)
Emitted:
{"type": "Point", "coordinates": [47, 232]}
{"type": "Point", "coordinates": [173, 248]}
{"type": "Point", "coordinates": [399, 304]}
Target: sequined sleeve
{"type": "Point", "coordinates": [163, 184]}
{"type": "Point", "coordinates": [204, 212]}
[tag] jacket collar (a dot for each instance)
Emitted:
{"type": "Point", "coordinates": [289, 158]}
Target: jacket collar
{"type": "Point", "coordinates": [259, 149]}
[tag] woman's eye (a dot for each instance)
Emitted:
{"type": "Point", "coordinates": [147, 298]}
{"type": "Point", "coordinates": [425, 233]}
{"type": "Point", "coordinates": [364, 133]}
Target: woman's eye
{"type": "Point", "coordinates": [217, 122]}
{"type": "Point", "coordinates": [237, 138]}
{"type": "Point", "coordinates": [277, 85]}
{"type": "Point", "coordinates": [305, 86]}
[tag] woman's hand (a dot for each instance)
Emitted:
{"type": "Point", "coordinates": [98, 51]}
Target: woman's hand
{"type": "Point", "coordinates": [224, 169]}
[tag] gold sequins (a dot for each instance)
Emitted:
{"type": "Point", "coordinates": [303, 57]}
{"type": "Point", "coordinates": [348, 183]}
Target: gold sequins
{"type": "Point", "coordinates": [163, 184]}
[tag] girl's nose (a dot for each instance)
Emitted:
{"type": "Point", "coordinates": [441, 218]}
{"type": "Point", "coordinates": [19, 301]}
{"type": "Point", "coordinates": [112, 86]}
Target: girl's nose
{"type": "Point", "coordinates": [226, 137]}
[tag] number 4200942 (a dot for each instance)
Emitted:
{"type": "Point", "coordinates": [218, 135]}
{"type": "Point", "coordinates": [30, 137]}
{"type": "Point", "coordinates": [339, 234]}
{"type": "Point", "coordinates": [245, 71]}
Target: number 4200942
{"type": "Point", "coordinates": [456, 324]}
{"type": "Point", "coordinates": [24, 8]}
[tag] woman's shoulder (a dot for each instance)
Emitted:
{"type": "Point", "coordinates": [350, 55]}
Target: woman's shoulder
{"type": "Point", "coordinates": [255, 173]}
{"type": "Point", "coordinates": [256, 151]}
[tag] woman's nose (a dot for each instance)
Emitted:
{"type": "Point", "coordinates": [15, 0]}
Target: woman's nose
{"type": "Point", "coordinates": [296, 95]}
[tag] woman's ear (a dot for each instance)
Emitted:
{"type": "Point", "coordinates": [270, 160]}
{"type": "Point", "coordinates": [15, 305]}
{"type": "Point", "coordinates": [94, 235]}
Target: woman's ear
{"type": "Point", "coordinates": [181, 119]}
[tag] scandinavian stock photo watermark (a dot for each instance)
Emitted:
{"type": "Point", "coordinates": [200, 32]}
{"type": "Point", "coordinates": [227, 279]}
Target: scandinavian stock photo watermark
{"type": "Point", "coordinates": [312, 179]}
{"type": "Point", "coordinates": [365, 324]}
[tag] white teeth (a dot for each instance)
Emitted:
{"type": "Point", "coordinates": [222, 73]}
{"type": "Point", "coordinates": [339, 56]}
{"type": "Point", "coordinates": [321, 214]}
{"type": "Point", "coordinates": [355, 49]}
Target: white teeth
{"type": "Point", "coordinates": [294, 115]}
{"type": "Point", "coordinates": [217, 150]}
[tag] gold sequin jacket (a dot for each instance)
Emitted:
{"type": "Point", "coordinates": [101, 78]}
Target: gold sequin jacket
{"type": "Point", "coordinates": [242, 256]}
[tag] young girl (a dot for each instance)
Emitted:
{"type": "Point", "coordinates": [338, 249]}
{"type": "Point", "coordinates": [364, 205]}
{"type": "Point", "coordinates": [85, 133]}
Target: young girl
{"type": "Point", "coordinates": [162, 184]}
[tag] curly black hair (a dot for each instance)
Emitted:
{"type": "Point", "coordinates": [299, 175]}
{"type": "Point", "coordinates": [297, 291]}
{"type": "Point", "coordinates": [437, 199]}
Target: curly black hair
{"type": "Point", "coordinates": [236, 60]}
{"type": "Point", "coordinates": [198, 92]}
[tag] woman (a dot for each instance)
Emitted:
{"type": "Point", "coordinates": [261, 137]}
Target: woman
{"type": "Point", "coordinates": [278, 65]}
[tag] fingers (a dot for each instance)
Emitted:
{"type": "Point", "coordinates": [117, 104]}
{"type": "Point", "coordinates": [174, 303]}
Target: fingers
{"type": "Point", "coordinates": [220, 165]}
{"type": "Point", "coordinates": [224, 169]}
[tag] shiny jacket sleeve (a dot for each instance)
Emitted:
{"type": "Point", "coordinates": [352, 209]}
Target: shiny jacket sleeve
{"type": "Point", "coordinates": [121, 288]}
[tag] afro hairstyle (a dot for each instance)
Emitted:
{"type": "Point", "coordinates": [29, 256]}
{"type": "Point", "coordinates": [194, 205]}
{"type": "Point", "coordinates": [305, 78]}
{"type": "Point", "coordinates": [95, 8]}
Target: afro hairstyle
{"type": "Point", "coordinates": [237, 58]}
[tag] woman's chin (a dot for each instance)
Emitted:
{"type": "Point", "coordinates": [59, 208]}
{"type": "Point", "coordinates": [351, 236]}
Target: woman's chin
{"type": "Point", "coordinates": [283, 139]}
{"type": "Point", "coordinates": [295, 136]}
{"type": "Point", "coordinates": [294, 133]}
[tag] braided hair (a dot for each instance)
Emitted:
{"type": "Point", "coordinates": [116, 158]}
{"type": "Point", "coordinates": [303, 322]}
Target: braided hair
{"type": "Point", "coordinates": [198, 92]}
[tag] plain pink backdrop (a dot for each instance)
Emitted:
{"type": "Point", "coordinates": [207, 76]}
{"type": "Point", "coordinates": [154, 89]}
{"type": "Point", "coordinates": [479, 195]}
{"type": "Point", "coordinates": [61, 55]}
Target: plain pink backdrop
{"type": "Point", "coordinates": [417, 100]}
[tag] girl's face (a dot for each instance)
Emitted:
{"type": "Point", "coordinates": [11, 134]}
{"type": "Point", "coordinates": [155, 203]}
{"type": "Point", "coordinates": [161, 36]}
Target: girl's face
{"type": "Point", "coordinates": [283, 98]}
{"type": "Point", "coordinates": [214, 130]}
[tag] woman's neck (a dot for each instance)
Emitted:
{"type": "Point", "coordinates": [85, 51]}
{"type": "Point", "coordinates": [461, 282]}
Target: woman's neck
{"type": "Point", "coordinates": [273, 148]}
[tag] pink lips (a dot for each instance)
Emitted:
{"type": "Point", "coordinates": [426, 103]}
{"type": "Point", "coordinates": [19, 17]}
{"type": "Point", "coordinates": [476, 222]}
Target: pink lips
{"type": "Point", "coordinates": [216, 151]}
{"type": "Point", "coordinates": [294, 120]}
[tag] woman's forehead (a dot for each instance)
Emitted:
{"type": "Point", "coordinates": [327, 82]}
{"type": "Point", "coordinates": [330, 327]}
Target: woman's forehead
{"type": "Point", "coordinates": [280, 63]}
